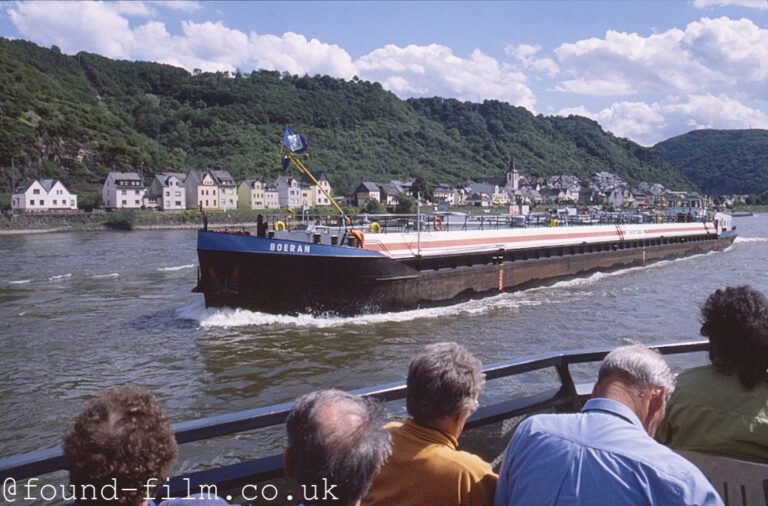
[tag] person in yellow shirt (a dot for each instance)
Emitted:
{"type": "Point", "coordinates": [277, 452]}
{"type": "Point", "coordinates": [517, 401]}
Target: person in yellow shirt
{"type": "Point", "coordinates": [426, 466]}
{"type": "Point", "coordinates": [722, 408]}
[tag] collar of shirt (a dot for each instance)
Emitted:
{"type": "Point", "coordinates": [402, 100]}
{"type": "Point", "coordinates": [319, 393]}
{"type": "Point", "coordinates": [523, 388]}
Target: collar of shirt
{"type": "Point", "coordinates": [614, 408]}
{"type": "Point", "coordinates": [430, 435]}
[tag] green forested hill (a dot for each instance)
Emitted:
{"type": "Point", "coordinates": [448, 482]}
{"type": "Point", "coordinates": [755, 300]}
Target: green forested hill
{"type": "Point", "coordinates": [78, 117]}
{"type": "Point", "coordinates": [721, 161]}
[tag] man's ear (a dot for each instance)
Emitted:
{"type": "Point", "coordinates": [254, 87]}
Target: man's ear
{"type": "Point", "coordinates": [288, 462]}
{"type": "Point", "coordinates": [658, 399]}
{"type": "Point", "coordinates": [656, 407]}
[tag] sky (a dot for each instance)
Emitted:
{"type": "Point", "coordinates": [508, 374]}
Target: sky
{"type": "Point", "coordinates": [646, 70]}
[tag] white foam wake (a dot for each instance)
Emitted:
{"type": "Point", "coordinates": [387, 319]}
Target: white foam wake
{"type": "Point", "coordinates": [103, 276]}
{"type": "Point", "coordinates": [176, 268]}
{"type": "Point", "coordinates": [20, 282]}
{"type": "Point", "coordinates": [228, 317]}
{"type": "Point", "coordinates": [750, 239]}
{"type": "Point", "coordinates": [60, 277]}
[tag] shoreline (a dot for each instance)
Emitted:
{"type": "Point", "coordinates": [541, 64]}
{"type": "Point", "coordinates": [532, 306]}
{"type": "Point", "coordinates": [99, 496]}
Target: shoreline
{"type": "Point", "coordinates": [190, 226]}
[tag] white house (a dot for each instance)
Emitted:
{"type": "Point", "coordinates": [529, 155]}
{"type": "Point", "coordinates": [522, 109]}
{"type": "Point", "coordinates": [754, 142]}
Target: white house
{"type": "Point", "coordinates": [42, 195]}
{"type": "Point", "coordinates": [253, 194]}
{"type": "Point", "coordinates": [271, 196]}
{"type": "Point", "coordinates": [442, 192]}
{"type": "Point", "coordinates": [616, 198]}
{"type": "Point", "coordinates": [123, 190]}
{"type": "Point", "coordinates": [365, 191]}
{"type": "Point", "coordinates": [227, 189]}
{"type": "Point", "coordinates": [390, 194]}
{"type": "Point", "coordinates": [289, 191]}
{"type": "Point", "coordinates": [168, 189]}
{"type": "Point", "coordinates": [203, 190]}
{"type": "Point", "coordinates": [311, 195]}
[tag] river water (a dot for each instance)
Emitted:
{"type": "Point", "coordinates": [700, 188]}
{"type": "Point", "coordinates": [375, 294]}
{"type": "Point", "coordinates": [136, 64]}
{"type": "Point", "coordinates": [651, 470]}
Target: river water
{"type": "Point", "coordinates": [83, 311]}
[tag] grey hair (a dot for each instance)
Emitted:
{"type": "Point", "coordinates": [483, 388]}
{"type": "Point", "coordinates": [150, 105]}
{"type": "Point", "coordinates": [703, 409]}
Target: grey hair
{"type": "Point", "coordinates": [443, 380]}
{"type": "Point", "coordinates": [336, 436]}
{"type": "Point", "coordinates": [643, 367]}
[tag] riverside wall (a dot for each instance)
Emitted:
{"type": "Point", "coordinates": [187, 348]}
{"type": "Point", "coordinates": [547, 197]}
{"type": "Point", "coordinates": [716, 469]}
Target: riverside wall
{"type": "Point", "coordinates": [99, 220]}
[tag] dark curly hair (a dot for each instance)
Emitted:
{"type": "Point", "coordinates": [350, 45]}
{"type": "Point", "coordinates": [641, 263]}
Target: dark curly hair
{"type": "Point", "coordinates": [736, 322]}
{"type": "Point", "coordinates": [122, 437]}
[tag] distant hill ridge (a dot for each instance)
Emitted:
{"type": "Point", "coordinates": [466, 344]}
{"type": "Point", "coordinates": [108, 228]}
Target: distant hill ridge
{"type": "Point", "coordinates": [721, 161]}
{"type": "Point", "coordinates": [78, 117]}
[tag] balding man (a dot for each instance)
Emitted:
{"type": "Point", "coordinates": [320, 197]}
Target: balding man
{"type": "Point", "coordinates": [335, 446]}
{"type": "Point", "coordinates": [606, 453]}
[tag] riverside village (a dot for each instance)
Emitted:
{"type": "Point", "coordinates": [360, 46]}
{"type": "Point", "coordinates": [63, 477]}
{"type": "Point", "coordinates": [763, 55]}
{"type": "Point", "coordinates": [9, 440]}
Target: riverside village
{"type": "Point", "coordinates": [216, 190]}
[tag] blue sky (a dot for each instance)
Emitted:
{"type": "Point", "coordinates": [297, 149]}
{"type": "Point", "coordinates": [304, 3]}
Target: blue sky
{"type": "Point", "coordinates": [646, 70]}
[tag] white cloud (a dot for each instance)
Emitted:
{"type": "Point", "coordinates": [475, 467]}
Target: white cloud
{"type": "Point", "coordinates": [295, 54]}
{"type": "Point", "coordinates": [104, 28]}
{"type": "Point", "coordinates": [436, 70]}
{"type": "Point", "coordinates": [131, 8]}
{"type": "Point", "coordinates": [651, 123]}
{"type": "Point", "coordinates": [710, 56]}
{"type": "Point", "coordinates": [709, 4]}
{"type": "Point", "coordinates": [75, 26]}
{"type": "Point", "coordinates": [525, 55]}
{"type": "Point", "coordinates": [180, 5]}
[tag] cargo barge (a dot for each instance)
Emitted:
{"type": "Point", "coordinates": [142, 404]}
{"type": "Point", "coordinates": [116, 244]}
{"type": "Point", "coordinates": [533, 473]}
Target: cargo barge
{"type": "Point", "coordinates": [404, 262]}
{"type": "Point", "coordinates": [349, 271]}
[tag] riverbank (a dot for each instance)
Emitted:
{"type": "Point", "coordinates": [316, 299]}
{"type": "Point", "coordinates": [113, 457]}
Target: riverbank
{"type": "Point", "coordinates": [122, 220]}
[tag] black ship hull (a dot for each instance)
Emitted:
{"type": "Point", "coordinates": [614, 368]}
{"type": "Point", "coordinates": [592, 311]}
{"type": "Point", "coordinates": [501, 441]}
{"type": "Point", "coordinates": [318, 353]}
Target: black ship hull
{"type": "Point", "coordinates": [330, 280]}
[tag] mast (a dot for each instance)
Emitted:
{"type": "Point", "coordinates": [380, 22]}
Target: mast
{"type": "Point", "coordinates": [418, 223]}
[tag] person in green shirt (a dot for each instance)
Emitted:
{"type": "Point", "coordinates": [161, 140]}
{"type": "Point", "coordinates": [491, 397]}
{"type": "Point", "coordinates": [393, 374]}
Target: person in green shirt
{"type": "Point", "coordinates": [722, 408]}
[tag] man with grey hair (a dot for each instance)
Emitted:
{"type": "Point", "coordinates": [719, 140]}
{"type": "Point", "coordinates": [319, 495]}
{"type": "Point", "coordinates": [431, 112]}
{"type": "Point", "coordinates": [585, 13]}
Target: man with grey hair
{"type": "Point", "coordinates": [605, 454]}
{"type": "Point", "coordinates": [426, 467]}
{"type": "Point", "coordinates": [335, 446]}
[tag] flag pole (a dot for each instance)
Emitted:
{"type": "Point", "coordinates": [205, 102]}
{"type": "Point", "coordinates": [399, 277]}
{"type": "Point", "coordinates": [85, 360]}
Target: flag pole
{"type": "Point", "coordinates": [297, 162]}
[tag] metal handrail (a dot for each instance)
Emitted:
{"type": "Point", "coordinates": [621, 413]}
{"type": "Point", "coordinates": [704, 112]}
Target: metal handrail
{"type": "Point", "coordinates": [566, 397]}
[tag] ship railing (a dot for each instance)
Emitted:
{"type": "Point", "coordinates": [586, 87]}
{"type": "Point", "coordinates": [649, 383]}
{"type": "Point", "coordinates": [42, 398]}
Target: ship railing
{"type": "Point", "coordinates": [563, 396]}
{"type": "Point", "coordinates": [446, 221]}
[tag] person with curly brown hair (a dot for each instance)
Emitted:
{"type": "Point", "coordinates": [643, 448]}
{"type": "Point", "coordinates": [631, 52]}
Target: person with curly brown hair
{"type": "Point", "coordinates": [722, 408]}
{"type": "Point", "coordinates": [120, 449]}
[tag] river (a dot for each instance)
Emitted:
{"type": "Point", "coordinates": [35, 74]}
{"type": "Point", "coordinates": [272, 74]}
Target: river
{"type": "Point", "coordinates": [83, 311]}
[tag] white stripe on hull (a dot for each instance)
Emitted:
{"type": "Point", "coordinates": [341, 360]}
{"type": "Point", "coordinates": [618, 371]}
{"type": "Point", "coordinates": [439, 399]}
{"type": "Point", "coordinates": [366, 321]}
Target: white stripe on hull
{"type": "Point", "coordinates": [402, 245]}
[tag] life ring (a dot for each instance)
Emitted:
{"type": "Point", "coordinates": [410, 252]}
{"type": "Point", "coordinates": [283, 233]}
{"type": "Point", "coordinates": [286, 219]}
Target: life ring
{"type": "Point", "coordinates": [280, 225]}
{"type": "Point", "coordinates": [360, 236]}
{"type": "Point", "coordinates": [437, 224]}
{"type": "Point", "coordinates": [375, 227]}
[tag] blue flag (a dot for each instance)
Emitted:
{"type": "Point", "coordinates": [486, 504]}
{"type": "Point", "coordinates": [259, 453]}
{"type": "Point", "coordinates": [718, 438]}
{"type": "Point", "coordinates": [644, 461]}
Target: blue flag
{"type": "Point", "coordinates": [294, 142]}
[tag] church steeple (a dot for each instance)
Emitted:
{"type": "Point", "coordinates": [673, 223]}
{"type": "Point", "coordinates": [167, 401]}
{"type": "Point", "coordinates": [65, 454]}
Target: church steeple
{"type": "Point", "coordinates": [513, 176]}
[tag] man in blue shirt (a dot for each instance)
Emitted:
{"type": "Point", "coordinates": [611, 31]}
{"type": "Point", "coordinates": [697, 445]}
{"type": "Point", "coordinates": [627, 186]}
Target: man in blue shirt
{"type": "Point", "coordinates": [605, 454]}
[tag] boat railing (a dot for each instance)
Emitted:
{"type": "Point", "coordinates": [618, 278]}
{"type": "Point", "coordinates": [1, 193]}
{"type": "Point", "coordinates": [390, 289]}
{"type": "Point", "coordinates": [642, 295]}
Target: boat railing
{"type": "Point", "coordinates": [426, 222]}
{"type": "Point", "coordinates": [565, 396]}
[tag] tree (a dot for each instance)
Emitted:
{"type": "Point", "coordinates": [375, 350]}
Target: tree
{"type": "Point", "coordinates": [421, 188]}
{"type": "Point", "coordinates": [373, 206]}
{"type": "Point", "coordinates": [405, 205]}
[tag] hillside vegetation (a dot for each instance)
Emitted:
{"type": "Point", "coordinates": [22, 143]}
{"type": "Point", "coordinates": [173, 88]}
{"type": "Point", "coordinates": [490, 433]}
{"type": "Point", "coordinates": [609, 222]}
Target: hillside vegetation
{"type": "Point", "coordinates": [78, 117]}
{"type": "Point", "coordinates": [721, 161]}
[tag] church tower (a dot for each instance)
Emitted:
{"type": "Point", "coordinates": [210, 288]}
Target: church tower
{"type": "Point", "coordinates": [513, 176]}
